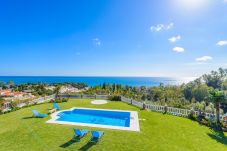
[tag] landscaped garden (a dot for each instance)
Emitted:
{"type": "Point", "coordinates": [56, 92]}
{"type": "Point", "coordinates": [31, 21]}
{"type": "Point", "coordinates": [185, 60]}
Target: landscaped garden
{"type": "Point", "coordinates": [19, 131]}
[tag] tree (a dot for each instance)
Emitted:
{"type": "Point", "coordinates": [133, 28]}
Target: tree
{"type": "Point", "coordinates": [57, 91]}
{"type": "Point", "coordinates": [2, 84]}
{"type": "Point", "coordinates": [39, 89]}
{"type": "Point", "coordinates": [201, 92]}
{"type": "Point", "coordinates": [217, 97]}
{"type": "Point", "coordinates": [143, 97]}
{"type": "Point", "coordinates": [224, 85]}
{"type": "Point", "coordinates": [10, 84]}
{"type": "Point", "coordinates": [188, 92]}
{"type": "Point", "coordinates": [1, 101]}
{"type": "Point", "coordinates": [104, 85]}
{"type": "Point", "coordinates": [216, 78]}
{"type": "Point", "coordinates": [113, 87]}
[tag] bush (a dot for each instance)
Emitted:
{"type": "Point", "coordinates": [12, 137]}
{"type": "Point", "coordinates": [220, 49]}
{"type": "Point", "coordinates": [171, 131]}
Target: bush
{"type": "Point", "coordinates": [192, 116]}
{"type": "Point", "coordinates": [60, 100]}
{"type": "Point", "coordinates": [114, 98]}
{"type": "Point", "coordinates": [52, 100]}
{"type": "Point", "coordinates": [200, 117]}
{"type": "Point", "coordinates": [65, 99]}
{"type": "Point", "coordinates": [204, 122]}
{"type": "Point", "coordinates": [224, 126]}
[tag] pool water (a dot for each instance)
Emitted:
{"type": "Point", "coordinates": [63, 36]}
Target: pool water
{"type": "Point", "coordinates": [100, 117]}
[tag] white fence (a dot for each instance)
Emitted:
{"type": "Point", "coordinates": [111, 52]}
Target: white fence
{"type": "Point", "coordinates": [102, 96]}
{"type": "Point", "coordinates": [169, 110]}
{"type": "Point", "coordinates": [126, 100]}
{"type": "Point", "coordinates": [132, 102]}
{"type": "Point", "coordinates": [84, 96]}
{"type": "Point", "coordinates": [43, 99]}
{"type": "Point", "coordinates": [35, 101]}
{"type": "Point", "coordinates": [48, 98]}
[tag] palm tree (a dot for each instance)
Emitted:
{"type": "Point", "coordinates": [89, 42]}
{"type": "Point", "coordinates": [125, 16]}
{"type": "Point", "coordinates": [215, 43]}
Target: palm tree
{"type": "Point", "coordinates": [217, 97]}
{"type": "Point", "coordinates": [57, 91]}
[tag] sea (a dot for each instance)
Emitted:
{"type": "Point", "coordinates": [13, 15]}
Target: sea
{"type": "Point", "coordinates": [93, 81]}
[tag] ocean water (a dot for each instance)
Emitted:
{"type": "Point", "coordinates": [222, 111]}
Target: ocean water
{"type": "Point", "coordinates": [92, 81]}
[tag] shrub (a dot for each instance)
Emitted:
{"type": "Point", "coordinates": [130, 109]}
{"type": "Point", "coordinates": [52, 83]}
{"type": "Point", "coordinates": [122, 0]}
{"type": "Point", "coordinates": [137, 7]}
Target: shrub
{"type": "Point", "coordinates": [114, 98]}
{"type": "Point", "coordinates": [65, 99]}
{"type": "Point", "coordinates": [210, 108]}
{"type": "Point", "coordinates": [204, 122]}
{"type": "Point", "coordinates": [60, 100]}
{"type": "Point", "coordinates": [52, 100]}
{"type": "Point", "coordinates": [224, 126]}
{"type": "Point", "coordinates": [192, 116]}
{"type": "Point", "coordinates": [200, 117]}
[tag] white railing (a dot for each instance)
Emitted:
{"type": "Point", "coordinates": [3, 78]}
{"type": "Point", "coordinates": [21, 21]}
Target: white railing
{"type": "Point", "coordinates": [84, 96]}
{"type": "Point", "coordinates": [102, 96]}
{"type": "Point", "coordinates": [132, 102]}
{"type": "Point", "coordinates": [35, 101]}
{"type": "Point", "coordinates": [126, 100]}
{"type": "Point", "coordinates": [48, 98]}
{"type": "Point", "coordinates": [43, 99]}
{"type": "Point", "coordinates": [138, 104]}
{"type": "Point", "coordinates": [21, 105]}
{"type": "Point", "coordinates": [169, 110]}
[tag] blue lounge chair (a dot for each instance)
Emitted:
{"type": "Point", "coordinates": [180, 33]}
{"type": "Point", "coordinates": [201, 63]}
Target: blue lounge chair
{"type": "Point", "coordinates": [37, 114]}
{"type": "Point", "coordinates": [96, 135]}
{"type": "Point", "coordinates": [80, 133]}
{"type": "Point", "coordinates": [55, 105]}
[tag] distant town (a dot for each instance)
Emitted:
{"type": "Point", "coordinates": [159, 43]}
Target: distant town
{"type": "Point", "coordinates": [17, 96]}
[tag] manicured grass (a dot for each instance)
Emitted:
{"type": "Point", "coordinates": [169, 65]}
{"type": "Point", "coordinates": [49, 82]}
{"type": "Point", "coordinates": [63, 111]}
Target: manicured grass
{"type": "Point", "coordinates": [158, 132]}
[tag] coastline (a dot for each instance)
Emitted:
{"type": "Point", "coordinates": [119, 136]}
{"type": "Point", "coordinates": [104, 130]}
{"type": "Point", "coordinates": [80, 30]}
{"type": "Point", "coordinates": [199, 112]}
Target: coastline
{"type": "Point", "coordinates": [97, 80]}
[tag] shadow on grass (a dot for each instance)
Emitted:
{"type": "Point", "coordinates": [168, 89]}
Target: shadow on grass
{"type": "Point", "coordinates": [25, 118]}
{"type": "Point", "coordinates": [70, 142]}
{"type": "Point", "coordinates": [93, 141]}
{"type": "Point", "coordinates": [218, 136]}
{"type": "Point", "coordinates": [87, 146]}
{"type": "Point", "coordinates": [28, 117]}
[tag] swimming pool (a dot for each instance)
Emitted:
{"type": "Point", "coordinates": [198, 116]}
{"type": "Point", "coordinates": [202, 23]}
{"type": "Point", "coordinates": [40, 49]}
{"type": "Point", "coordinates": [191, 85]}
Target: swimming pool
{"type": "Point", "coordinates": [103, 118]}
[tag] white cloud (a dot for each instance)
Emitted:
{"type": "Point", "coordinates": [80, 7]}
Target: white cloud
{"type": "Point", "coordinates": [160, 27]}
{"type": "Point", "coordinates": [174, 38]}
{"type": "Point", "coordinates": [204, 59]}
{"type": "Point", "coordinates": [178, 49]}
{"type": "Point", "coordinates": [157, 28]}
{"type": "Point", "coordinates": [97, 41]}
{"type": "Point", "coordinates": [225, 1]}
{"type": "Point", "coordinates": [169, 26]}
{"type": "Point", "coordinates": [195, 63]}
{"type": "Point", "coordinates": [222, 42]}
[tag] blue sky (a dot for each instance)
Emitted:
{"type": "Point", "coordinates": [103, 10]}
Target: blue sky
{"type": "Point", "coordinates": [174, 38]}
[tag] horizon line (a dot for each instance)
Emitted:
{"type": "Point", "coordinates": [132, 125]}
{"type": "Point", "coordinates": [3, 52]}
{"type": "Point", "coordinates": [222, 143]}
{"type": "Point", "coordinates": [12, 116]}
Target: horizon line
{"type": "Point", "coordinates": [97, 76]}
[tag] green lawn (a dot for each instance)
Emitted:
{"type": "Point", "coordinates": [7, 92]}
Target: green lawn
{"type": "Point", "coordinates": [158, 132]}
